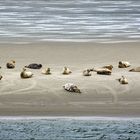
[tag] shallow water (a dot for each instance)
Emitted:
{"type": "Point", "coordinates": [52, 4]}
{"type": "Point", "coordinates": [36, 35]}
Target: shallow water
{"type": "Point", "coordinates": [70, 129]}
{"type": "Point", "coordinates": [75, 20]}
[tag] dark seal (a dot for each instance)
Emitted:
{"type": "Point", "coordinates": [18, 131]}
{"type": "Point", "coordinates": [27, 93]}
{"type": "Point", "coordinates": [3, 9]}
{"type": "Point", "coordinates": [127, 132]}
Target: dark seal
{"type": "Point", "coordinates": [34, 66]}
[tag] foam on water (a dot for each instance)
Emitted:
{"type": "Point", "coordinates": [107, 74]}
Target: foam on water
{"type": "Point", "coordinates": [62, 20]}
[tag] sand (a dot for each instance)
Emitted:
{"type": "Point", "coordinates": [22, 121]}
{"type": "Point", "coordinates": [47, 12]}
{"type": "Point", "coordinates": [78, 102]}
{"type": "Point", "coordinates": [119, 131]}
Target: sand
{"type": "Point", "coordinates": [43, 95]}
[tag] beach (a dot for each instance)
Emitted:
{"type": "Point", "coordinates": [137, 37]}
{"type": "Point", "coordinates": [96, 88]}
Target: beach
{"type": "Point", "coordinates": [43, 95]}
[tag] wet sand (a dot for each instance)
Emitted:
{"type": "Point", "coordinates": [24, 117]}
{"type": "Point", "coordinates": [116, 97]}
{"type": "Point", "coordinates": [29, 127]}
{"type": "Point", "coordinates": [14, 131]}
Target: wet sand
{"type": "Point", "coordinates": [43, 95]}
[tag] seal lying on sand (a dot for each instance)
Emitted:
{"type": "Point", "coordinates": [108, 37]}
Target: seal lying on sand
{"type": "Point", "coordinates": [71, 88]}
{"type": "Point", "coordinates": [1, 77]}
{"type": "Point", "coordinates": [87, 72]}
{"type": "Point", "coordinates": [34, 66]}
{"type": "Point", "coordinates": [103, 71]}
{"type": "Point", "coordinates": [110, 67]}
{"type": "Point", "coordinates": [137, 69]}
{"type": "Point", "coordinates": [123, 80]}
{"type": "Point", "coordinates": [46, 71]}
{"type": "Point", "coordinates": [11, 64]}
{"type": "Point", "coordinates": [66, 71]}
{"type": "Point", "coordinates": [123, 64]}
{"type": "Point", "coordinates": [26, 74]}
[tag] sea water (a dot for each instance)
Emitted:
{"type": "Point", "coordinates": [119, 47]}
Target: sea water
{"type": "Point", "coordinates": [69, 20]}
{"type": "Point", "coordinates": [69, 128]}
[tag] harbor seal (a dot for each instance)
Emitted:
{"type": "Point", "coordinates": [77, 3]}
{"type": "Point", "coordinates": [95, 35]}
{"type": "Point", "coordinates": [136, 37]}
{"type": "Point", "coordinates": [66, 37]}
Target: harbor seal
{"type": "Point", "coordinates": [26, 74]}
{"type": "Point", "coordinates": [11, 64]}
{"type": "Point", "coordinates": [123, 64]}
{"type": "Point", "coordinates": [66, 71]}
{"type": "Point", "coordinates": [1, 77]}
{"type": "Point", "coordinates": [87, 72]}
{"type": "Point", "coordinates": [110, 67]}
{"type": "Point", "coordinates": [71, 88]}
{"type": "Point", "coordinates": [46, 71]}
{"type": "Point", "coordinates": [34, 66]}
{"type": "Point", "coordinates": [136, 69]}
{"type": "Point", "coordinates": [123, 80]}
{"type": "Point", "coordinates": [103, 71]}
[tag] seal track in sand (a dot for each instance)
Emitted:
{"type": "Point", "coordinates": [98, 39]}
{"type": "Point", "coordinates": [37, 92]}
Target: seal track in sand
{"type": "Point", "coordinates": [113, 93]}
{"type": "Point", "coordinates": [28, 88]}
{"type": "Point", "coordinates": [33, 84]}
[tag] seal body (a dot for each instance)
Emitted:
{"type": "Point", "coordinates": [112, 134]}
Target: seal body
{"type": "Point", "coordinates": [46, 71]}
{"type": "Point", "coordinates": [1, 77]}
{"type": "Point", "coordinates": [123, 80]}
{"type": "Point", "coordinates": [103, 71]}
{"type": "Point", "coordinates": [66, 71]}
{"type": "Point", "coordinates": [87, 72]}
{"type": "Point", "coordinates": [123, 64]}
{"type": "Point", "coordinates": [110, 67]}
{"type": "Point", "coordinates": [137, 69]}
{"type": "Point", "coordinates": [71, 88]}
{"type": "Point", "coordinates": [26, 74]}
{"type": "Point", "coordinates": [34, 66]}
{"type": "Point", "coordinates": [11, 64]}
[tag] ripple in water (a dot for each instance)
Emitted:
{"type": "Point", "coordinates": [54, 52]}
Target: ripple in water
{"type": "Point", "coordinates": [69, 20]}
{"type": "Point", "coordinates": [70, 129]}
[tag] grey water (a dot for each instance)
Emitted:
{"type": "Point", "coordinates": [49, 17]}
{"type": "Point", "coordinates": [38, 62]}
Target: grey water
{"type": "Point", "coordinates": [69, 20]}
{"type": "Point", "coordinates": [69, 129]}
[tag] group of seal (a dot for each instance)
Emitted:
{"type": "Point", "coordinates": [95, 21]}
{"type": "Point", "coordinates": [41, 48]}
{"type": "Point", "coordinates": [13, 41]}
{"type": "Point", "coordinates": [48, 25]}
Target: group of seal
{"type": "Point", "coordinates": [105, 70]}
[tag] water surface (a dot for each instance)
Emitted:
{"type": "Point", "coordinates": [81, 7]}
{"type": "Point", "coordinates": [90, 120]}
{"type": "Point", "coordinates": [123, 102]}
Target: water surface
{"type": "Point", "coordinates": [70, 129]}
{"type": "Point", "coordinates": [74, 20]}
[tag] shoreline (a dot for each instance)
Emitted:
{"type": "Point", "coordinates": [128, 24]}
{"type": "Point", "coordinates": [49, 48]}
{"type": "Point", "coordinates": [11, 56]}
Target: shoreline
{"type": "Point", "coordinates": [93, 41]}
{"type": "Point", "coordinates": [69, 118]}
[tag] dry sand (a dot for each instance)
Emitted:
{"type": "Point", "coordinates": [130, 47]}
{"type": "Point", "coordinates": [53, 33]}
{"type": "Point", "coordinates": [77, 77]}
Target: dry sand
{"type": "Point", "coordinates": [43, 95]}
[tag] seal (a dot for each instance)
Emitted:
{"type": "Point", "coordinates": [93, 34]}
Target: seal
{"type": "Point", "coordinates": [123, 64]}
{"type": "Point", "coordinates": [123, 80]}
{"type": "Point", "coordinates": [34, 66]}
{"type": "Point", "coordinates": [110, 67]}
{"type": "Point", "coordinates": [1, 77]}
{"type": "Point", "coordinates": [11, 64]}
{"type": "Point", "coordinates": [87, 72]}
{"type": "Point", "coordinates": [66, 71]}
{"type": "Point", "coordinates": [26, 74]}
{"type": "Point", "coordinates": [136, 69]}
{"type": "Point", "coordinates": [103, 71]}
{"type": "Point", "coordinates": [46, 71]}
{"type": "Point", "coordinates": [70, 87]}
